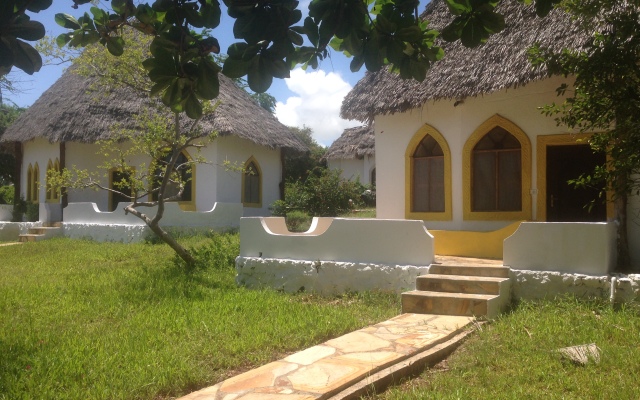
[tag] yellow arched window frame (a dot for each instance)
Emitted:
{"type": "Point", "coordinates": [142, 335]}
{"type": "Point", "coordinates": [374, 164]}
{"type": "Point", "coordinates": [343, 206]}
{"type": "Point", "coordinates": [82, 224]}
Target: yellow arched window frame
{"type": "Point", "coordinates": [410, 183]}
{"type": "Point", "coordinates": [52, 193]}
{"type": "Point", "coordinates": [252, 183]}
{"type": "Point", "coordinates": [467, 172]}
{"type": "Point", "coordinates": [189, 194]}
{"type": "Point", "coordinates": [33, 183]}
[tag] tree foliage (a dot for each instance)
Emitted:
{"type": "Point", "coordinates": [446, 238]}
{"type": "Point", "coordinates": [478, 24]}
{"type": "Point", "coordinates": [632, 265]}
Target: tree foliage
{"type": "Point", "coordinates": [298, 166]}
{"type": "Point", "coordinates": [604, 97]}
{"type": "Point", "coordinates": [272, 38]}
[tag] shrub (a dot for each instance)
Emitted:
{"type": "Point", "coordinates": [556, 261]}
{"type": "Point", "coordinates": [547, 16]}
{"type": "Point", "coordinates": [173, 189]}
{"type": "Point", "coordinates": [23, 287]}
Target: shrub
{"type": "Point", "coordinates": [6, 194]}
{"type": "Point", "coordinates": [33, 212]}
{"type": "Point", "coordinates": [324, 194]}
{"type": "Point", "coordinates": [19, 209]}
{"type": "Point", "coordinates": [298, 221]}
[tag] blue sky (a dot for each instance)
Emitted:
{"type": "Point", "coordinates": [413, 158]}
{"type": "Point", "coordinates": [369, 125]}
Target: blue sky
{"type": "Point", "coordinates": [310, 98]}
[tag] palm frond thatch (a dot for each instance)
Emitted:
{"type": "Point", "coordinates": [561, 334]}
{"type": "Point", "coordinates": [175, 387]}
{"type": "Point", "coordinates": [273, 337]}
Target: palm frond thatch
{"type": "Point", "coordinates": [499, 64]}
{"type": "Point", "coordinates": [354, 143]}
{"type": "Point", "coordinates": [72, 110]}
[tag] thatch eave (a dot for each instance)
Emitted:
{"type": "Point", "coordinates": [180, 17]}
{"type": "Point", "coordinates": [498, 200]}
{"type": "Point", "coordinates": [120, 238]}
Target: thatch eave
{"type": "Point", "coordinates": [501, 63]}
{"type": "Point", "coordinates": [71, 110]}
{"type": "Point", "coordinates": [354, 143]}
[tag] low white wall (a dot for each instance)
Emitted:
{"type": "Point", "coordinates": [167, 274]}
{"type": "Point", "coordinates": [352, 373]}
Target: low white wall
{"type": "Point", "coordinates": [5, 212]}
{"type": "Point", "coordinates": [106, 232]}
{"type": "Point", "coordinates": [577, 247]}
{"type": "Point", "coordinates": [221, 216]}
{"type": "Point", "coordinates": [390, 242]}
{"type": "Point", "coordinates": [548, 284]}
{"type": "Point", "coordinates": [9, 231]}
{"type": "Point", "coordinates": [325, 277]}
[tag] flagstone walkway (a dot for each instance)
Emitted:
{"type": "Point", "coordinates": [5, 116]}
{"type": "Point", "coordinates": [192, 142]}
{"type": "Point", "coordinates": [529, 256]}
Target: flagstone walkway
{"type": "Point", "coordinates": [338, 367]}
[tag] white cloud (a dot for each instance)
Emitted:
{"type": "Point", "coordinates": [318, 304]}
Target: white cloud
{"type": "Point", "coordinates": [317, 104]}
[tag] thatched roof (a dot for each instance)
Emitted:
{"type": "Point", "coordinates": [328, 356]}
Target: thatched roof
{"type": "Point", "coordinates": [71, 111]}
{"type": "Point", "coordinates": [353, 143]}
{"type": "Point", "coordinates": [498, 64]}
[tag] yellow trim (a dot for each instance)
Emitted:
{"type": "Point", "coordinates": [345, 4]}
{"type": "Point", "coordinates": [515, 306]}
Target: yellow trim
{"type": "Point", "coordinates": [472, 244]}
{"type": "Point", "coordinates": [35, 189]}
{"type": "Point", "coordinates": [257, 164]}
{"type": "Point", "coordinates": [525, 158]}
{"type": "Point", "coordinates": [446, 215]}
{"type": "Point", "coordinates": [29, 187]}
{"type": "Point", "coordinates": [542, 143]}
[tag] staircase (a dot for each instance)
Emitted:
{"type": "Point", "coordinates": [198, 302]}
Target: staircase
{"type": "Point", "coordinates": [469, 290]}
{"type": "Point", "coordinates": [46, 231]}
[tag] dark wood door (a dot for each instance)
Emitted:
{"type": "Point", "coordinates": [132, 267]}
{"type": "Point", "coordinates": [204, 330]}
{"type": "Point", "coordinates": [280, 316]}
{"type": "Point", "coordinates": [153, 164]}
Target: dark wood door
{"type": "Point", "coordinates": [566, 203]}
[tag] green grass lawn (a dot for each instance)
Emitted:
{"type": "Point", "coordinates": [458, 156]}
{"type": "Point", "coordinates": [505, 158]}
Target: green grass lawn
{"type": "Point", "coordinates": [515, 358]}
{"type": "Point", "coordinates": [86, 320]}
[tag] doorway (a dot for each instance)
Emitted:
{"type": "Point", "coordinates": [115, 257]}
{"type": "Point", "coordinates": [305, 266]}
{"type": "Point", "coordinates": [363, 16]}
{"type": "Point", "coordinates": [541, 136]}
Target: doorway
{"type": "Point", "coordinates": [125, 192]}
{"type": "Point", "coordinates": [564, 202]}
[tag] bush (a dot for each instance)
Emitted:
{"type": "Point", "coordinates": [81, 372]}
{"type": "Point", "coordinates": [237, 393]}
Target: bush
{"type": "Point", "coordinates": [298, 221]}
{"type": "Point", "coordinates": [6, 194]}
{"type": "Point", "coordinates": [323, 194]}
{"type": "Point", "coordinates": [33, 212]}
{"type": "Point", "coordinates": [218, 253]}
{"type": "Point", "coordinates": [18, 210]}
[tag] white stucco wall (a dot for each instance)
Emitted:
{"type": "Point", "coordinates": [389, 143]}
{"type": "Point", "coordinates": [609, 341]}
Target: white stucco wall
{"type": "Point", "coordinates": [229, 182]}
{"type": "Point", "coordinates": [325, 277]}
{"type": "Point", "coordinates": [353, 169]}
{"type": "Point", "coordinates": [6, 212]}
{"type": "Point", "coordinates": [576, 247]}
{"type": "Point", "coordinates": [532, 285]}
{"type": "Point", "coordinates": [456, 124]}
{"type": "Point", "coordinates": [392, 242]}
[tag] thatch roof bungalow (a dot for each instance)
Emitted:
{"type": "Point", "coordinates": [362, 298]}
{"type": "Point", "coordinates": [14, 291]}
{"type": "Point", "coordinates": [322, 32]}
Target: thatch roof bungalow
{"type": "Point", "coordinates": [61, 128]}
{"type": "Point", "coordinates": [354, 153]}
{"type": "Point", "coordinates": [468, 149]}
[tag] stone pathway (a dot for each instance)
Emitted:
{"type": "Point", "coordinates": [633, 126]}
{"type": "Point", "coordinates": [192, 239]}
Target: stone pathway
{"type": "Point", "coordinates": [9, 244]}
{"type": "Point", "coordinates": [335, 367]}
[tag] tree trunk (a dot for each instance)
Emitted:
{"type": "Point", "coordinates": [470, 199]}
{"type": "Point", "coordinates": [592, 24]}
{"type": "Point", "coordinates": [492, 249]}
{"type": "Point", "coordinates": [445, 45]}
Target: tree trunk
{"type": "Point", "coordinates": [620, 205]}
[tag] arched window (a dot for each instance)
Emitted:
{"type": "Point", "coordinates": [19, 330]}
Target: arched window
{"type": "Point", "coordinates": [53, 193]}
{"type": "Point", "coordinates": [35, 183]}
{"type": "Point", "coordinates": [29, 182]}
{"type": "Point", "coordinates": [428, 177]}
{"type": "Point", "coordinates": [252, 184]}
{"type": "Point", "coordinates": [497, 172]}
{"type": "Point", "coordinates": [428, 172]}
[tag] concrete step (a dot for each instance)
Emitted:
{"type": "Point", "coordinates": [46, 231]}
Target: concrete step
{"type": "Point", "coordinates": [30, 237]}
{"type": "Point", "coordinates": [427, 302]}
{"type": "Point", "coordinates": [44, 230]}
{"type": "Point", "coordinates": [460, 284]}
{"type": "Point", "coordinates": [470, 270]}
{"type": "Point", "coordinates": [52, 224]}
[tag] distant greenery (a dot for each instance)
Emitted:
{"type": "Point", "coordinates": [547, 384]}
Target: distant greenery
{"type": "Point", "coordinates": [323, 194]}
{"type": "Point", "coordinates": [86, 320]}
{"type": "Point", "coordinates": [6, 194]}
{"type": "Point", "coordinates": [298, 166]}
{"type": "Point", "coordinates": [515, 358]}
{"type": "Point", "coordinates": [8, 114]}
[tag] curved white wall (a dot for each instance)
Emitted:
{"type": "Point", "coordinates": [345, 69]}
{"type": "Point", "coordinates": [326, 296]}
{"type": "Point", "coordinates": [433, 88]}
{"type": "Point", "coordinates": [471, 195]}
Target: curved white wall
{"type": "Point", "coordinates": [576, 247]}
{"type": "Point", "coordinates": [394, 242]}
{"type": "Point", "coordinates": [6, 212]}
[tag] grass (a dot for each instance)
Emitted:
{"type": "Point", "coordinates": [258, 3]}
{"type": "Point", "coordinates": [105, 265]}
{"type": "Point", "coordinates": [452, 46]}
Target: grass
{"type": "Point", "coordinates": [514, 357]}
{"type": "Point", "coordinates": [361, 213]}
{"type": "Point", "coordinates": [105, 320]}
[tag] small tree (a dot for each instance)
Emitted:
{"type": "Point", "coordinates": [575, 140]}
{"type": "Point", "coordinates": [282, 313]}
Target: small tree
{"type": "Point", "coordinates": [298, 166]}
{"type": "Point", "coordinates": [604, 98]}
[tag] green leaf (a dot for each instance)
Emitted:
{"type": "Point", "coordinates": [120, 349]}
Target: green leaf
{"type": "Point", "coordinates": [28, 30]}
{"type": "Point", "coordinates": [39, 5]}
{"type": "Point", "coordinates": [543, 7]}
{"type": "Point", "coordinates": [208, 85]}
{"type": "Point", "coordinates": [119, 6]}
{"type": "Point", "coordinates": [6, 55]}
{"type": "Point", "coordinates": [25, 57]}
{"type": "Point", "coordinates": [258, 78]}
{"type": "Point", "coordinates": [311, 29]}
{"type": "Point", "coordinates": [159, 87]}
{"type": "Point", "coordinates": [356, 63]}
{"type": "Point", "coordinates": [459, 7]}
{"type": "Point", "coordinates": [473, 33]}
{"type": "Point", "coordinates": [192, 107]}
{"type": "Point", "coordinates": [63, 39]}
{"type": "Point", "coordinates": [295, 38]}
{"type": "Point", "coordinates": [67, 21]}
{"type": "Point", "coordinates": [98, 14]}
{"type": "Point", "coordinates": [411, 33]}
{"type": "Point", "coordinates": [115, 45]}
{"type": "Point", "coordinates": [211, 14]}
{"type": "Point", "coordinates": [493, 22]}
{"type": "Point", "coordinates": [453, 31]}
{"type": "Point", "coordinates": [235, 68]}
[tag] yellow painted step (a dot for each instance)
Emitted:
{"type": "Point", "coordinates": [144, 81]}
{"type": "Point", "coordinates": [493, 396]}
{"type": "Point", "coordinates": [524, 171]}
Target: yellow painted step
{"type": "Point", "coordinates": [470, 270]}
